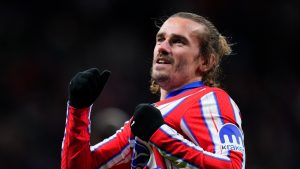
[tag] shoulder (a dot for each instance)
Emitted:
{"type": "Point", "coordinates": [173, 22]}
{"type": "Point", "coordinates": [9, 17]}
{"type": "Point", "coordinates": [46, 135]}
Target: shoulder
{"type": "Point", "coordinates": [212, 95]}
{"type": "Point", "coordinates": [205, 91]}
{"type": "Point", "coordinates": [218, 90]}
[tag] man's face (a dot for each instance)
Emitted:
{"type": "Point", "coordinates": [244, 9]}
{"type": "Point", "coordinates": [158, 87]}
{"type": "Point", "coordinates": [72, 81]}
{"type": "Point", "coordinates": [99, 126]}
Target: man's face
{"type": "Point", "coordinates": [176, 53]}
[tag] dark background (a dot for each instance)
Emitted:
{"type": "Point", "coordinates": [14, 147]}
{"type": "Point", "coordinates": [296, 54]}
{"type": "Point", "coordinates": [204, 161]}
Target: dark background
{"type": "Point", "coordinates": [44, 44]}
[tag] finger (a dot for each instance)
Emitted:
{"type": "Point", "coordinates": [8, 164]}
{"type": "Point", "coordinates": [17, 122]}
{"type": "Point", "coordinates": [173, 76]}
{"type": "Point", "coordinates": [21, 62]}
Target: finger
{"type": "Point", "coordinates": [93, 71]}
{"type": "Point", "coordinates": [105, 74]}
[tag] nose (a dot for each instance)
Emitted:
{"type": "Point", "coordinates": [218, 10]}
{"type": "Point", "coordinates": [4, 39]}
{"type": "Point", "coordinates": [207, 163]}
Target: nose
{"type": "Point", "coordinates": [164, 48]}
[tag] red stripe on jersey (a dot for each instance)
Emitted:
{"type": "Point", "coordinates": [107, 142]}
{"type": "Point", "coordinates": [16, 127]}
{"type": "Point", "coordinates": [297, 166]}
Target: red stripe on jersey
{"type": "Point", "coordinates": [212, 117]}
{"type": "Point", "coordinates": [225, 107]}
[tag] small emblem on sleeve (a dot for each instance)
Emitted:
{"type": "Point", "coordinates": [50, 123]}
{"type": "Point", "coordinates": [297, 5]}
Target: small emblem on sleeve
{"type": "Point", "coordinates": [231, 138]}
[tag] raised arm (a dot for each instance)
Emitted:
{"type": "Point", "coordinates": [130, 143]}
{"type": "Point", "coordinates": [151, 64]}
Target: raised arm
{"type": "Point", "coordinates": [113, 152]}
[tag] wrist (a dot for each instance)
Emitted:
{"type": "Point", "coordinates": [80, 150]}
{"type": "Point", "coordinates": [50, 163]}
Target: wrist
{"type": "Point", "coordinates": [156, 127]}
{"type": "Point", "coordinates": [82, 113]}
{"type": "Point", "coordinates": [164, 133]}
{"type": "Point", "coordinates": [155, 135]}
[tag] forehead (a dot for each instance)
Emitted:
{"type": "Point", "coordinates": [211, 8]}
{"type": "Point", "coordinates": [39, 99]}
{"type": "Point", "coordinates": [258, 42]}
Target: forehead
{"type": "Point", "coordinates": [182, 26]}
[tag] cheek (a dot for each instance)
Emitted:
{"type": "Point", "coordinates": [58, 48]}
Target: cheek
{"type": "Point", "coordinates": [181, 65]}
{"type": "Point", "coordinates": [154, 54]}
{"type": "Point", "coordinates": [155, 50]}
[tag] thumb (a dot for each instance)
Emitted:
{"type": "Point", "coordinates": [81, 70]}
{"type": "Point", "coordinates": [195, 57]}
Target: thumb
{"type": "Point", "coordinates": [105, 74]}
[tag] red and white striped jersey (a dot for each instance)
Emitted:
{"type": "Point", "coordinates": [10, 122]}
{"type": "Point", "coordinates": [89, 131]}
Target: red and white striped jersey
{"type": "Point", "coordinates": [202, 130]}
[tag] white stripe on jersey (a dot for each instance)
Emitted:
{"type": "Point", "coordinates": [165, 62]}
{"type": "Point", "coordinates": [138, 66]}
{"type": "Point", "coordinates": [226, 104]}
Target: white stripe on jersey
{"type": "Point", "coordinates": [184, 127]}
{"type": "Point", "coordinates": [89, 118]}
{"type": "Point", "coordinates": [65, 132]}
{"type": "Point", "coordinates": [236, 113]}
{"type": "Point", "coordinates": [211, 114]}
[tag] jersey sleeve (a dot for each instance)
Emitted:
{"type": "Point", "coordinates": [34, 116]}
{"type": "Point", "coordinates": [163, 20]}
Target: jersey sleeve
{"type": "Point", "coordinates": [213, 135]}
{"type": "Point", "coordinates": [113, 152]}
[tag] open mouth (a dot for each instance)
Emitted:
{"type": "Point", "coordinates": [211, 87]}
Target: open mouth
{"type": "Point", "coordinates": [163, 61]}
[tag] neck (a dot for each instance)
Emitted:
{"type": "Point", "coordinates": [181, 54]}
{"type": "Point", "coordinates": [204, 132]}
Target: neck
{"type": "Point", "coordinates": [163, 94]}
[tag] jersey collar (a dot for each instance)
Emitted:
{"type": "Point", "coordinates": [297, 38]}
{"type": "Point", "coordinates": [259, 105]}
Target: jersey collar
{"type": "Point", "coordinates": [185, 88]}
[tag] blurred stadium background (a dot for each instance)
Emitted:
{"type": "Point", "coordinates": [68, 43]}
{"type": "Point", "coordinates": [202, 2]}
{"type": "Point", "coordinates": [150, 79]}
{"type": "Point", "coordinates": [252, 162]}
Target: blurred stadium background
{"type": "Point", "coordinates": [44, 43]}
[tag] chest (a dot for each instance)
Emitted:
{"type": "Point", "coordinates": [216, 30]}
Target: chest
{"type": "Point", "coordinates": [173, 112]}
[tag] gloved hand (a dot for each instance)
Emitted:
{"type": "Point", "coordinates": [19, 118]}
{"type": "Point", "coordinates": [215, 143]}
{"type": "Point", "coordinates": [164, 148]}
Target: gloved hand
{"type": "Point", "coordinates": [86, 86]}
{"type": "Point", "coordinates": [146, 120]}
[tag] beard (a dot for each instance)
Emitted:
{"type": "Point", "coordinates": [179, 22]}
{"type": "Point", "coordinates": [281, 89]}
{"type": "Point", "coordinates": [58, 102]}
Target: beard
{"type": "Point", "coordinates": [163, 77]}
{"type": "Point", "coordinates": [159, 77]}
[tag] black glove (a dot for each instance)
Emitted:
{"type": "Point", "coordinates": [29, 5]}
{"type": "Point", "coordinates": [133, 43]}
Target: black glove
{"type": "Point", "coordinates": [86, 86]}
{"type": "Point", "coordinates": [146, 120]}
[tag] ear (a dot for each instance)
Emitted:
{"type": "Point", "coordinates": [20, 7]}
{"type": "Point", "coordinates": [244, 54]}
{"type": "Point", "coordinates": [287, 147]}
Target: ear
{"type": "Point", "coordinates": [206, 64]}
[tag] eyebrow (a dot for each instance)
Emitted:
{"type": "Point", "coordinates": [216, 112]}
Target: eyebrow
{"type": "Point", "coordinates": [160, 34]}
{"type": "Point", "coordinates": [173, 36]}
{"type": "Point", "coordinates": [179, 37]}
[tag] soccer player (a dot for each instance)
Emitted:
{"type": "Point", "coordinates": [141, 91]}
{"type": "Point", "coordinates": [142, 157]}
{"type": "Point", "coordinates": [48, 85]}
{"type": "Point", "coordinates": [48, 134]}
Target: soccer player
{"type": "Point", "coordinates": [194, 125]}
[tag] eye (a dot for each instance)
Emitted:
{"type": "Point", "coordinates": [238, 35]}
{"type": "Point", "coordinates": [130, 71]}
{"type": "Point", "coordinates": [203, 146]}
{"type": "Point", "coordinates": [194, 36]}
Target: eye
{"type": "Point", "coordinates": [159, 39]}
{"type": "Point", "coordinates": [178, 41]}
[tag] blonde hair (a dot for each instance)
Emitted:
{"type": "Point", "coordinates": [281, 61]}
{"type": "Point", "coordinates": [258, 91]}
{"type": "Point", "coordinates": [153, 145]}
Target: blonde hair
{"type": "Point", "coordinates": [212, 44]}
